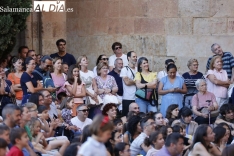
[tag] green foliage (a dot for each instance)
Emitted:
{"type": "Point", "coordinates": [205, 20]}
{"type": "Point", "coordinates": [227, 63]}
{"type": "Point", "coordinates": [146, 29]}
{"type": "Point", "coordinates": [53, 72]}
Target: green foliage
{"type": "Point", "coordinates": [11, 23]}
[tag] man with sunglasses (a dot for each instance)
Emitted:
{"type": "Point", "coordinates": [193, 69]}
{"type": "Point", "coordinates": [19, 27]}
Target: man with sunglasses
{"type": "Point", "coordinates": [117, 49]}
{"type": "Point", "coordinates": [81, 119]}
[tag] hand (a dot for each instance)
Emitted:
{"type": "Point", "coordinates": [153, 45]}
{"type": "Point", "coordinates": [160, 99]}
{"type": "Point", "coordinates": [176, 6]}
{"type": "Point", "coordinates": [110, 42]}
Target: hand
{"type": "Point", "coordinates": [51, 89]}
{"type": "Point", "coordinates": [204, 115]}
{"type": "Point", "coordinates": [176, 89]}
{"type": "Point", "coordinates": [39, 85]}
{"type": "Point", "coordinates": [211, 108]}
{"type": "Point", "coordinates": [75, 78]}
{"type": "Point", "coordinates": [229, 81]}
{"type": "Point", "coordinates": [107, 91]}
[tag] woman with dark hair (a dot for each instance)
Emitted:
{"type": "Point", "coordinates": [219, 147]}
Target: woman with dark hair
{"type": "Point", "coordinates": [202, 142]}
{"type": "Point", "coordinates": [159, 120]}
{"type": "Point", "coordinates": [14, 77]}
{"type": "Point", "coordinates": [185, 120]}
{"type": "Point", "coordinates": [228, 132]}
{"type": "Point", "coordinates": [36, 98]}
{"type": "Point", "coordinates": [172, 88]}
{"type": "Point", "coordinates": [133, 129]}
{"type": "Point", "coordinates": [101, 58]}
{"type": "Point", "coordinates": [110, 111]}
{"type": "Point", "coordinates": [166, 130]}
{"type": "Point", "coordinates": [172, 113]}
{"type": "Point", "coordinates": [155, 141]}
{"type": "Point", "coordinates": [75, 87]}
{"type": "Point", "coordinates": [29, 82]}
{"type": "Point", "coordinates": [145, 79]}
{"type": "Point", "coordinates": [221, 138]}
{"type": "Point", "coordinates": [122, 149]}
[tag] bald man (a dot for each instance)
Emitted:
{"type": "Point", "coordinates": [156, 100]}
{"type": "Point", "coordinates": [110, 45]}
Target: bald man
{"type": "Point", "coordinates": [133, 107]}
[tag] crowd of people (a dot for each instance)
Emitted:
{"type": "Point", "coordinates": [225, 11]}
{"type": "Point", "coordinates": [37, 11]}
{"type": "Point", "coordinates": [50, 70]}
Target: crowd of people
{"type": "Point", "coordinates": [55, 106]}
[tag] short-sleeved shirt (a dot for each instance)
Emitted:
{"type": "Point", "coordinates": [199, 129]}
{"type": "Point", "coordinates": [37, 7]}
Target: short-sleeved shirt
{"type": "Point", "coordinates": [218, 91]}
{"type": "Point", "coordinates": [59, 81]}
{"type": "Point", "coordinates": [15, 151]}
{"type": "Point", "coordinates": [78, 91]}
{"type": "Point", "coordinates": [92, 148]}
{"type": "Point", "coordinates": [15, 80]}
{"type": "Point", "coordinates": [87, 78]}
{"type": "Point", "coordinates": [53, 110]}
{"type": "Point", "coordinates": [199, 99]}
{"type": "Point", "coordinates": [118, 80]}
{"type": "Point", "coordinates": [164, 152]}
{"type": "Point", "coordinates": [75, 121]}
{"type": "Point", "coordinates": [228, 63]}
{"type": "Point", "coordinates": [27, 78]}
{"type": "Point", "coordinates": [149, 78]}
{"type": "Point", "coordinates": [163, 73]}
{"type": "Point", "coordinates": [112, 59]}
{"type": "Point", "coordinates": [190, 80]}
{"type": "Point", "coordinates": [67, 58]}
{"type": "Point", "coordinates": [128, 91]}
{"type": "Point", "coordinates": [136, 144]}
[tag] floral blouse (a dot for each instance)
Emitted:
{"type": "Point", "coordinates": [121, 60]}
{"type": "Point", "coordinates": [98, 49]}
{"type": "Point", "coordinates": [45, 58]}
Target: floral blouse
{"type": "Point", "coordinates": [67, 116]}
{"type": "Point", "coordinates": [109, 83]}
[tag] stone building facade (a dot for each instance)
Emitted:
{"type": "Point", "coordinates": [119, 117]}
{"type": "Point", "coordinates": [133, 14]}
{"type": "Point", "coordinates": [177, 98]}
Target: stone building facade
{"type": "Point", "coordinates": [157, 29]}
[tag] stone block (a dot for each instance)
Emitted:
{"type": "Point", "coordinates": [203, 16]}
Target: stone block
{"type": "Point", "coordinates": [54, 16]}
{"type": "Point", "coordinates": [171, 8]}
{"type": "Point", "coordinates": [127, 26]}
{"type": "Point", "coordinates": [208, 26]}
{"type": "Point", "coordinates": [156, 8]}
{"type": "Point", "coordinates": [99, 26]}
{"type": "Point", "coordinates": [59, 29]}
{"type": "Point", "coordinates": [194, 8]}
{"type": "Point", "coordinates": [222, 8]}
{"type": "Point", "coordinates": [127, 8]}
{"type": "Point", "coordinates": [113, 9]}
{"type": "Point", "coordinates": [87, 9]}
{"type": "Point", "coordinates": [178, 26]}
{"type": "Point", "coordinates": [47, 30]}
{"type": "Point", "coordinates": [114, 26]}
{"type": "Point", "coordinates": [102, 6]}
{"type": "Point", "coordinates": [197, 45]}
{"type": "Point", "coordinates": [49, 46]}
{"type": "Point", "coordinates": [230, 25]}
{"type": "Point", "coordinates": [85, 26]}
{"type": "Point", "coordinates": [141, 8]}
{"type": "Point", "coordinates": [149, 25]}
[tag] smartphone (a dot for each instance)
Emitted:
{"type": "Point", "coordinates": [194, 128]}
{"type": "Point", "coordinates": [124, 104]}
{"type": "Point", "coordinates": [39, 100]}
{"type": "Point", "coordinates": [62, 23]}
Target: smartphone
{"type": "Point", "coordinates": [55, 116]}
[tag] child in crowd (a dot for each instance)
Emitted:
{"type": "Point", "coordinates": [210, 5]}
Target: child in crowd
{"type": "Point", "coordinates": [3, 147]}
{"type": "Point", "coordinates": [118, 125]}
{"type": "Point", "coordinates": [19, 139]}
{"type": "Point", "coordinates": [60, 97]}
{"type": "Point", "coordinates": [39, 142]}
{"type": "Point", "coordinates": [155, 141]}
{"type": "Point", "coordinates": [74, 87]}
{"type": "Point", "coordinates": [101, 129]}
{"type": "Point", "coordinates": [122, 149]}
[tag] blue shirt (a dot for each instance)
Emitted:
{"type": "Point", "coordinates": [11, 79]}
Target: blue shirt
{"type": "Point", "coordinates": [68, 58]}
{"type": "Point", "coordinates": [27, 78]}
{"type": "Point", "coordinates": [119, 82]}
{"type": "Point", "coordinates": [228, 63]}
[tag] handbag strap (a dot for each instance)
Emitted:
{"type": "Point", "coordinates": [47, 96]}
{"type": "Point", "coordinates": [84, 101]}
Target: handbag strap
{"type": "Point", "coordinates": [133, 75]}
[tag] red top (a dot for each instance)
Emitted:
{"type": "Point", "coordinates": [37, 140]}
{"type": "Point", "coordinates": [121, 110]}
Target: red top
{"type": "Point", "coordinates": [15, 151]}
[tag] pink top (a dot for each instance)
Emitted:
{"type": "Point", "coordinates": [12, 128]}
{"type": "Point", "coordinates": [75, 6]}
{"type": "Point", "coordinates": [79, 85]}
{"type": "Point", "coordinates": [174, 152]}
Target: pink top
{"type": "Point", "coordinates": [78, 91]}
{"type": "Point", "coordinates": [218, 91]}
{"type": "Point", "coordinates": [200, 99]}
{"type": "Point", "coordinates": [58, 81]}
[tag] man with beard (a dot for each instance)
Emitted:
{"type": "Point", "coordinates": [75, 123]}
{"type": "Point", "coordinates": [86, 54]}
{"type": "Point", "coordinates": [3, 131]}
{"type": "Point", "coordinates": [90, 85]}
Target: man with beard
{"type": "Point", "coordinates": [227, 58]}
{"type": "Point", "coordinates": [129, 86]}
{"type": "Point", "coordinates": [66, 57]}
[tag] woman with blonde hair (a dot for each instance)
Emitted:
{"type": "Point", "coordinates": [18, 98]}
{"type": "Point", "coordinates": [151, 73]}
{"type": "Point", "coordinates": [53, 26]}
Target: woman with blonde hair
{"type": "Point", "coordinates": [217, 80]}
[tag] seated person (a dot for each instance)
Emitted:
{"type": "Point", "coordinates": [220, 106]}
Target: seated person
{"type": "Point", "coordinates": [3, 147]}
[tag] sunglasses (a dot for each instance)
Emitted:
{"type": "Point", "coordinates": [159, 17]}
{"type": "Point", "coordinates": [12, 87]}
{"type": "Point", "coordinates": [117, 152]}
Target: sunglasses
{"type": "Point", "coordinates": [105, 59]}
{"type": "Point", "coordinates": [116, 48]}
{"type": "Point", "coordinates": [84, 110]}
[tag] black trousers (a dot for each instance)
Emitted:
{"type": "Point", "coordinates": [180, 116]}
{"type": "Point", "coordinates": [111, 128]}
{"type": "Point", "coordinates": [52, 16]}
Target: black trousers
{"type": "Point", "coordinates": [200, 120]}
{"type": "Point", "coordinates": [125, 106]}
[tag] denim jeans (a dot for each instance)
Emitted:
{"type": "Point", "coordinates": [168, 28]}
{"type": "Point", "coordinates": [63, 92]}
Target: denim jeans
{"type": "Point", "coordinates": [25, 99]}
{"type": "Point", "coordinates": [145, 106]}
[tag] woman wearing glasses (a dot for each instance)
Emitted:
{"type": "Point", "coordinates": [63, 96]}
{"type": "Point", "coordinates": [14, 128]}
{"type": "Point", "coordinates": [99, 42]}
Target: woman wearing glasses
{"type": "Point", "coordinates": [15, 76]}
{"type": "Point", "coordinates": [29, 82]}
{"type": "Point", "coordinates": [101, 58]}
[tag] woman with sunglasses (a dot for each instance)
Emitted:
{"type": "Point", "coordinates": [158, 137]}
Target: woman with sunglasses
{"type": "Point", "coordinates": [101, 58]}
{"type": "Point", "coordinates": [29, 82]}
{"type": "Point", "coordinates": [15, 76]}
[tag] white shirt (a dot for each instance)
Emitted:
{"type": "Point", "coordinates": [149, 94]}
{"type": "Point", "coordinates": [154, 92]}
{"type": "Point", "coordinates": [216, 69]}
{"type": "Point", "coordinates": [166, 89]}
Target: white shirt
{"type": "Point", "coordinates": [87, 78]}
{"type": "Point", "coordinates": [136, 144]}
{"type": "Point", "coordinates": [53, 110]}
{"type": "Point", "coordinates": [92, 148]}
{"type": "Point", "coordinates": [75, 121]}
{"type": "Point", "coordinates": [112, 59]}
{"type": "Point", "coordinates": [163, 73]}
{"type": "Point", "coordinates": [128, 91]}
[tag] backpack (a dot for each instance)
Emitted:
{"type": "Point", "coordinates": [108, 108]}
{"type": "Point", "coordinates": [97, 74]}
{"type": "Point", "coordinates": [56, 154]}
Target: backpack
{"type": "Point", "coordinates": [47, 80]}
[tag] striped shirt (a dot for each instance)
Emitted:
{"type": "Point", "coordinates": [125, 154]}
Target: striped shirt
{"type": "Point", "coordinates": [228, 63]}
{"type": "Point", "coordinates": [190, 80]}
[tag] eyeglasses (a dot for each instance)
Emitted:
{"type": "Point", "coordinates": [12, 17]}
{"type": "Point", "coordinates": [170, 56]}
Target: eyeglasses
{"type": "Point", "coordinates": [105, 59]}
{"type": "Point", "coordinates": [84, 110]}
{"type": "Point", "coordinates": [136, 107]}
{"type": "Point", "coordinates": [116, 48]}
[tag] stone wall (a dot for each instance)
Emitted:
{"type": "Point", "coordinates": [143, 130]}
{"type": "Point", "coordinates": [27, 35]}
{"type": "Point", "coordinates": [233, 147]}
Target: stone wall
{"type": "Point", "coordinates": [157, 29]}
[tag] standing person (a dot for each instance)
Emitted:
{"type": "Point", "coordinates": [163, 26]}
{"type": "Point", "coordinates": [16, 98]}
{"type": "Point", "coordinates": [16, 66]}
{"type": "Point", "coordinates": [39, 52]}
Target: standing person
{"type": "Point", "coordinates": [217, 80]}
{"type": "Point", "coordinates": [14, 77]}
{"type": "Point", "coordinates": [227, 59]}
{"type": "Point", "coordinates": [101, 58]}
{"type": "Point", "coordinates": [129, 87]}
{"type": "Point", "coordinates": [66, 57]}
{"type": "Point", "coordinates": [75, 87]}
{"type": "Point", "coordinates": [22, 52]}
{"type": "Point", "coordinates": [28, 81]}
{"type": "Point", "coordinates": [101, 129]}
{"type": "Point", "coordinates": [146, 79]}
{"type": "Point", "coordinates": [58, 77]}
{"type": "Point", "coordinates": [116, 74]}
{"type": "Point", "coordinates": [163, 73]}
{"type": "Point", "coordinates": [190, 78]}
{"type": "Point", "coordinates": [117, 49]}
{"type": "Point", "coordinates": [6, 90]}
{"type": "Point", "coordinates": [171, 87]}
